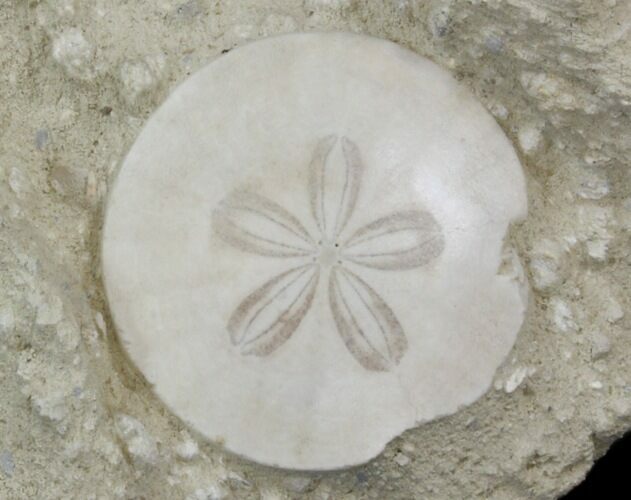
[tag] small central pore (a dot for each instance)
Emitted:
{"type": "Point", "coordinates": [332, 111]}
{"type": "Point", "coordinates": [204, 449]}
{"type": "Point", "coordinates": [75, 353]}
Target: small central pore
{"type": "Point", "coordinates": [328, 254]}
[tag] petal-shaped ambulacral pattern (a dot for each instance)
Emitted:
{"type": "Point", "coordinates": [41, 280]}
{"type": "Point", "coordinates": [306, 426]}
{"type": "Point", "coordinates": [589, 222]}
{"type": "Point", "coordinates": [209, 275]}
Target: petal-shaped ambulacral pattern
{"type": "Point", "coordinates": [334, 187]}
{"type": "Point", "coordinates": [317, 180]}
{"type": "Point", "coordinates": [402, 240]}
{"type": "Point", "coordinates": [352, 183]}
{"type": "Point", "coordinates": [367, 325]}
{"type": "Point", "coordinates": [255, 224]}
{"type": "Point", "coordinates": [268, 316]}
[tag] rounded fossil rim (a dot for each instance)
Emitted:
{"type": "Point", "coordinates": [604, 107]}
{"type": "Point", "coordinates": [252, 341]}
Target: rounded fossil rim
{"type": "Point", "coordinates": [301, 249]}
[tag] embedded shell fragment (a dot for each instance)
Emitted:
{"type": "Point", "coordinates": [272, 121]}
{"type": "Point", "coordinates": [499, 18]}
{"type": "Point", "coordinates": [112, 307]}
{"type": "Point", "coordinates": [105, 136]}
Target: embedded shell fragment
{"type": "Point", "coordinates": [301, 250]}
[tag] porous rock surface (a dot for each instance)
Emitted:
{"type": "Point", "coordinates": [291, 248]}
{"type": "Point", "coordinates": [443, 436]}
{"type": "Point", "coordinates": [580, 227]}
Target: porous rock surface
{"type": "Point", "coordinates": [78, 81]}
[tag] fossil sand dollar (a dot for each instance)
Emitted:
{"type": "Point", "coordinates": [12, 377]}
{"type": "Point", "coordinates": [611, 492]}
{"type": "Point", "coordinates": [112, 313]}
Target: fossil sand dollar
{"type": "Point", "coordinates": [303, 249]}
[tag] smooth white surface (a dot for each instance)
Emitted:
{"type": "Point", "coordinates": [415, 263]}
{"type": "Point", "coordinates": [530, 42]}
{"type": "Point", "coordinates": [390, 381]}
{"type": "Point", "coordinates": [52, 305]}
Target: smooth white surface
{"type": "Point", "coordinates": [326, 134]}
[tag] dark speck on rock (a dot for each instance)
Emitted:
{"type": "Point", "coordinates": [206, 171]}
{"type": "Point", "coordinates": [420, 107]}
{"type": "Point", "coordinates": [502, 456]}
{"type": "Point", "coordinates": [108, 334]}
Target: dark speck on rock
{"type": "Point", "coordinates": [189, 9]}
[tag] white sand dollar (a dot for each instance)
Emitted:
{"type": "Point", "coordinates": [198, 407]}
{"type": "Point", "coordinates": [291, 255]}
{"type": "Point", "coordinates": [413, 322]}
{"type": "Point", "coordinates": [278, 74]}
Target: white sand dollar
{"type": "Point", "coordinates": [302, 249]}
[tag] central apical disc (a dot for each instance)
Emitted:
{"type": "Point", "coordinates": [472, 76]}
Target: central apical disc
{"type": "Point", "coordinates": [302, 250]}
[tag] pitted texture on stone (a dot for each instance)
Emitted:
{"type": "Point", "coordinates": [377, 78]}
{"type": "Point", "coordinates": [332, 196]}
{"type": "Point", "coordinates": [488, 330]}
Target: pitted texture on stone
{"type": "Point", "coordinates": [536, 441]}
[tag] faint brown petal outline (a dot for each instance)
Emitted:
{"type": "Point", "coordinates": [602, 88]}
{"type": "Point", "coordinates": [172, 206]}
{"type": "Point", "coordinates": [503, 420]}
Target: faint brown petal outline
{"type": "Point", "coordinates": [228, 223]}
{"type": "Point", "coordinates": [384, 322]}
{"type": "Point", "coordinates": [317, 181]}
{"type": "Point", "coordinates": [242, 323]}
{"type": "Point", "coordinates": [318, 199]}
{"type": "Point", "coordinates": [354, 171]}
{"type": "Point", "coordinates": [363, 247]}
